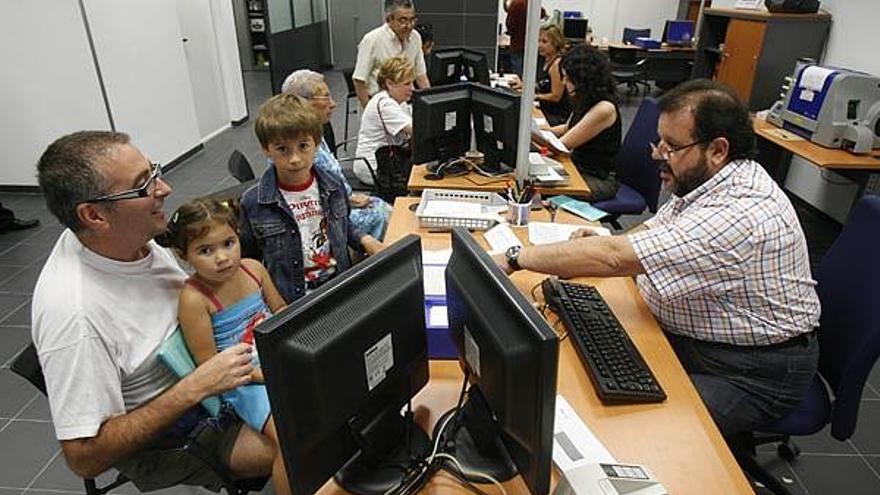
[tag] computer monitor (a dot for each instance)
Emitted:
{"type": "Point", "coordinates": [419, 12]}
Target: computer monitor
{"type": "Point", "coordinates": [339, 366]}
{"type": "Point", "coordinates": [441, 123]}
{"type": "Point", "coordinates": [575, 28]}
{"type": "Point", "coordinates": [474, 66]}
{"type": "Point", "coordinates": [445, 66]}
{"type": "Point", "coordinates": [511, 356]}
{"type": "Point", "coordinates": [679, 33]}
{"type": "Point", "coordinates": [495, 116]}
{"type": "Point", "coordinates": [449, 65]}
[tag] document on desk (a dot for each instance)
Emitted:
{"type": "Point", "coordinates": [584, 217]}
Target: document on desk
{"type": "Point", "coordinates": [573, 443]}
{"type": "Point", "coordinates": [434, 272]}
{"type": "Point", "coordinates": [548, 233]}
{"type": "Point", "coordinates": [554, 142]}
{"type": "Point", "coordinates": [501, 237]}
{"type": "Point", "coordinates": [438, 317]}
{"type": "Point", "coordinates": [456, 209]}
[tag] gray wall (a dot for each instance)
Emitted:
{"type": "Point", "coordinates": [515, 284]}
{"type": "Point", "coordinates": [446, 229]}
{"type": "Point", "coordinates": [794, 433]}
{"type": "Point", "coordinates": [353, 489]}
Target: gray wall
{"type": "Point", "coordinates": [469, 23]}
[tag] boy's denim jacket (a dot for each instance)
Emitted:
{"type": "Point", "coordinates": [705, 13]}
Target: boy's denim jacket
{"type": "Point", "coordinates": [269, 231]}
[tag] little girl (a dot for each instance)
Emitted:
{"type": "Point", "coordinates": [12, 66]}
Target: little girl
{"type": "Point", "coordinates": [222, 303]}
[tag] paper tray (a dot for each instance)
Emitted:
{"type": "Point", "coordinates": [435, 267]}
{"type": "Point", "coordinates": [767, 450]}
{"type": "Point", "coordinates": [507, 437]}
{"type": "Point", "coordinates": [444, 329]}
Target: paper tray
{"type": "Point", "coordinates": [490, 203]}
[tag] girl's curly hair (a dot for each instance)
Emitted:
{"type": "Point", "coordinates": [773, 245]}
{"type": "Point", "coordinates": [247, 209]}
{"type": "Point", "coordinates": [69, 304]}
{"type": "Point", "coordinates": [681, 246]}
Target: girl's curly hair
{"type": "Point", "coordinates": [590, 72]}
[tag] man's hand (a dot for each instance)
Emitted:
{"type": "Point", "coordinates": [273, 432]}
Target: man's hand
{"type": "Point", "coordinates": [371, 245]}
{"type": "Point", "coordinates": [500, 259]}
{"type": "Point", "coordinates": [577, 234]}
{"type": "Point", "coordinates": [225, 371]}
{"type": "Point", "coordinates": [359, 200]}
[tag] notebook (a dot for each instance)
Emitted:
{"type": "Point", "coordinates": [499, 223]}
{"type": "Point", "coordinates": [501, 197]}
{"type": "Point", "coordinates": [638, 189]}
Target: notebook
{"type": "Point", "coordinates": [580, 208]}
{"type": "Point", "coordinates": [175, 355]}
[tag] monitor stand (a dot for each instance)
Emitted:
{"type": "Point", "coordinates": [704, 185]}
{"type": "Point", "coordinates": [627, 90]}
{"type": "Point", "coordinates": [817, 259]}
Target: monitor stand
{"type": "Point", "coordinates": [389, 445]}
{"type": "Point", "coordinates": [475, 440]}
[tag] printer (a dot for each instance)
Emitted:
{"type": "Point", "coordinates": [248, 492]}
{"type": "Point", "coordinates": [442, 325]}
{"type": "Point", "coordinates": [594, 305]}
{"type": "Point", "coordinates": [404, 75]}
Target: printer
{"type": "Point", "coordinates": [832, 107]}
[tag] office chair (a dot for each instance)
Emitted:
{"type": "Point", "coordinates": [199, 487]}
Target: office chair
{"type": "Point", "coordinates": [630, 34]}
{"type": "Point", "coordinates": [353, 180]}
{"type": "Point", "coordinates": [349, 82]}
{"type": "Point", "coordinates": [637, 172]}
{"type": "Point", "coordinates": [849, 342]}
{"type": "Point", "coordinates": [239, 167]}
{"type": "Point", "coordinates": [627, 67]}
{"type": "Point", "coordinates": [27, 366]}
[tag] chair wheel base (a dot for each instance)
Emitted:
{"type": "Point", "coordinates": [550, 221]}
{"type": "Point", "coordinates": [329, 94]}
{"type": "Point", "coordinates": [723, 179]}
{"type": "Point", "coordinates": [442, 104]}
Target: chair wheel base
{"type": "Point", "coordinates": [788, 451]}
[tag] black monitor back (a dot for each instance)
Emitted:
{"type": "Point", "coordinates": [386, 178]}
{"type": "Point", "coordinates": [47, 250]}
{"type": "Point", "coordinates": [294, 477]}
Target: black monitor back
{"type": "Point", "coordinates": [445, 66]}
{"type": "Point", "coordinates": [512, 354]}
{"type": "Point", "coordinates": [474, 66]}
{"type": "Point", "coordinates": [495, 114]}
{"type": "Point", "coordinates": [348, 353]}
{"type": "Point", "coordinates": [441, 123]}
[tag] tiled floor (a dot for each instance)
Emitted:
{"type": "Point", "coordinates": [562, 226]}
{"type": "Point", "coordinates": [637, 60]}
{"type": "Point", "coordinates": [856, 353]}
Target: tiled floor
{"type": "Point", "coordinates": [30, 459]}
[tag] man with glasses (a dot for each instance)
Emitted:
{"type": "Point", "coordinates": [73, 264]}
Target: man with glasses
{"type": "Point", "coordinates": [104, 303]}
{"type": "Point", "coordinates": [723, 264]}
{"type": "Point", "coordinates": [397, 37]}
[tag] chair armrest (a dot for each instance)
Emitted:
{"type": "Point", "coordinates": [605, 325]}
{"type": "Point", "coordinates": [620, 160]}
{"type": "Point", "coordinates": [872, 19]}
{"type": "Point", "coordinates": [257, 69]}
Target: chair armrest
{"type": "Point", "coordinates": [366, 162]}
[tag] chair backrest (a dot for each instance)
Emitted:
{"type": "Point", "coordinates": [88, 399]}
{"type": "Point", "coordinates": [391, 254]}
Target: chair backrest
{"type": "Point", "coordinates": [630, 34]}
{"type": "Point", "coordinates": [849, 328]}
{"type": "Point", "coordinates": [27, 366]}
{"type": "Point", "coordinates": [349, 82]}
{"type": "Point", "coordinates": [239, 167]}
{"type": "Point", "coordinates": [330, 137]}
{"type": "Point", "coordinates": [622, 57]}
{"type": "Point", "coordinates": [635, 167]}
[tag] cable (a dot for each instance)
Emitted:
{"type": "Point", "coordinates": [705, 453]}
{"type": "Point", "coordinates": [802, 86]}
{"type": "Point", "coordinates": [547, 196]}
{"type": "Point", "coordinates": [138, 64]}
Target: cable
{"type": "Point", "coordinates": [473, 474]}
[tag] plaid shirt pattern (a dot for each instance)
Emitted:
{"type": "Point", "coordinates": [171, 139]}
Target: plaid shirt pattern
{"type": "Point", "coordinates": [728, 262]}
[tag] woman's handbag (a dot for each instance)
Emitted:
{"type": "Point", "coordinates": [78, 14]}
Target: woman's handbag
{"type": "Point", "coordinates": [393, 164]}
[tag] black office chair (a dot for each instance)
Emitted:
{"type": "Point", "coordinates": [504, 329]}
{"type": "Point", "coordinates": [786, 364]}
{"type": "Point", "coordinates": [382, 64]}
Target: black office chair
{"type": "Point", "coordinates": [630, 34]}
{"type": "Point", "coordinates": [27, 366]}
{"type": "Point", "coordinates": [627, 67]}
{"type": "Point", "coordinates": [240, 168]}
{"type": "Point", "coordinates": [349, 82]}
{"type": "Point", "coordinates": [353, 180]}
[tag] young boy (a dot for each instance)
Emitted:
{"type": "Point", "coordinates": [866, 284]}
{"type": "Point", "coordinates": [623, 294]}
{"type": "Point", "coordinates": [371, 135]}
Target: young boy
{"type": "Point", "coordinates": [296, 218]}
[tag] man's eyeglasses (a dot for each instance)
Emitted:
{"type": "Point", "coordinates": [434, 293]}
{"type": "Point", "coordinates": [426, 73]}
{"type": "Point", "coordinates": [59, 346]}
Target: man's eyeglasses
{"type": "Point", "coordinates": [665, 152]}
{"type": "Point", "coordinates": [147, 189]}
{"type": "Point", "coordinates": [406, 21]}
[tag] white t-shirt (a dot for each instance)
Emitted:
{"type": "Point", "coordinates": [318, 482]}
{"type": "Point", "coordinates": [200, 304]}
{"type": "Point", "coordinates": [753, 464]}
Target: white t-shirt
{"type": "Point", "coordinates": [372, 134]}
{"type": "Point", "coordinates": [305, 203]}
{"type": "Point", "coordinates": [97, 326]}
{"type": "Point", "coordinates": [381, 44]}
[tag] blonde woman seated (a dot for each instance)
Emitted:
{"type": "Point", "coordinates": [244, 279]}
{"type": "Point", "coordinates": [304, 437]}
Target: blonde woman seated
{"type": "Point", "coordinates": [550, 92]}
{"type": "Point", "coordinates": [368, 213]}
{"type": "Point", "coordinates": [387, 118]}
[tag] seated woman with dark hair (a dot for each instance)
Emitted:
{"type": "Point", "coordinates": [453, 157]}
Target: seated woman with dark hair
{"type": "Point", "coordinates": [593, 132]}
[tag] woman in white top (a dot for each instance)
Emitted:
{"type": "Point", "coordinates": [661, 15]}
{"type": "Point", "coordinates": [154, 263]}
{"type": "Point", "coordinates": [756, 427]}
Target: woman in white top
{"type": "Point", "coordinates": [387, 118]}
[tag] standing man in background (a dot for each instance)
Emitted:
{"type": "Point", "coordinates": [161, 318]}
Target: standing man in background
{"type": "Point", "coordinates": [394, 38]}
{"type": "Point", "coordinates": [517, 11]}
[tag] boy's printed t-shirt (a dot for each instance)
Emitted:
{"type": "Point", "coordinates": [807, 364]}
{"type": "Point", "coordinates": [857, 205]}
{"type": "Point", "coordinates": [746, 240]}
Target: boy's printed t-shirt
{"type": "Point", "coordinates": [305, 203]}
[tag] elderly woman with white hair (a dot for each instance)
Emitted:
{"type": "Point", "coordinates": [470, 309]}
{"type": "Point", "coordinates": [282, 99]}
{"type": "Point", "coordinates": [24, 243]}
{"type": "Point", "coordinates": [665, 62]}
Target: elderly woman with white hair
{"type": "Point", "coordinates": [368, 213]}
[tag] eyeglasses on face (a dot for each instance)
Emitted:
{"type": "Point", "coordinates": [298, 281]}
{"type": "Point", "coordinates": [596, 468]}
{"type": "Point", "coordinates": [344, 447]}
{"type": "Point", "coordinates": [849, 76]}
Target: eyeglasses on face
{"type": "Point", "coordinates": [148, 188]}
{"type": "Point", "coordinates": [665, 151]}
{"type": "Point", "coordinates": [406, 21]}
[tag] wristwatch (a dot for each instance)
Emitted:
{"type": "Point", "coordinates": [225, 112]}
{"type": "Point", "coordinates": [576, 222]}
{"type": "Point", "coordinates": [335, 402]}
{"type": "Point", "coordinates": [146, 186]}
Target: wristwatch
{"type": "Point", "coordinates": [512, 255]}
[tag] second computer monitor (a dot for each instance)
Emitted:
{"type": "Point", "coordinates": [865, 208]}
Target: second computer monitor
{"type": "Point", "coordinates": [575, 29]}
{"type": "Point", "coordinates": [474, 66]}
{"type": "Point", "coordinates": [453, 65]}
{"type": "Point", "coordinates": [678, 33]}
{"type": "Point", "coordinates": [511, 355]}
{"type": "Point", "coordinates": [441, 123]}
{"type": "Point", "coordinates": [495, 116]}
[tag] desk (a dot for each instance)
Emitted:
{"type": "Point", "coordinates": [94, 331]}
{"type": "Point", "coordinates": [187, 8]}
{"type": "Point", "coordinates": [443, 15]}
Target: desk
{"type": "Point", "coordinates": [475, 182]}
{"type": "Point", "coordinates": [676, 439]}
{"type": "Point", "coordinates": [776, 152]}
{"type": "Point", "coordinates": [666, 66]}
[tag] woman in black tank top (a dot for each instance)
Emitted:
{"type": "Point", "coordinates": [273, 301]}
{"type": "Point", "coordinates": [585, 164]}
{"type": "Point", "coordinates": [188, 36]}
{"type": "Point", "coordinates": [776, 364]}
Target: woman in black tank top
{"type": "Point", "coordinates": [550, 92]}
{"type": "Point", "coordinates": [593, 132]}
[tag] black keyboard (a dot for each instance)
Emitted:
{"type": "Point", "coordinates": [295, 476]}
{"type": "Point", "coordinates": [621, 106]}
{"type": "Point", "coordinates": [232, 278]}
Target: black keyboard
{"type": "Point", "coordinates": [615, 366]}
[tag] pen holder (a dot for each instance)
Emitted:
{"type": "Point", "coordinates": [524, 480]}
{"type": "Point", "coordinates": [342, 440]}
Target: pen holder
{"type": "Point", "coordinates": [518, 213]}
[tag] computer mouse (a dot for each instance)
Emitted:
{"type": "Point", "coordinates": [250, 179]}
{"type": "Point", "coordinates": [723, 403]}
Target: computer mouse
{"type": "Point", "coordinates": [433, 176]}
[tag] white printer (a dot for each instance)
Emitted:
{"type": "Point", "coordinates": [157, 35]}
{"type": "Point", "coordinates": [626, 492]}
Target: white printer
{"type": "Point", "coordinates": [832, 107]}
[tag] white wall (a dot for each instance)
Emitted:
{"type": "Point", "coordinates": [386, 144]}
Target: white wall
{"type": "Point", "coordinates": [40, 101]}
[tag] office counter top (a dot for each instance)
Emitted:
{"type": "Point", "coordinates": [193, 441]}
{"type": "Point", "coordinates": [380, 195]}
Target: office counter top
{"type": "Point", "coordinates": [676, 439]}
{"type": "Point", "coordinates": [830, 158]}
